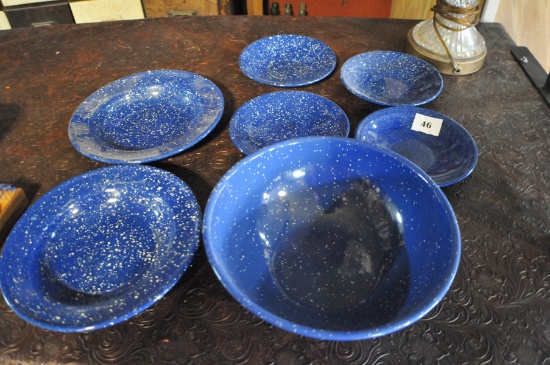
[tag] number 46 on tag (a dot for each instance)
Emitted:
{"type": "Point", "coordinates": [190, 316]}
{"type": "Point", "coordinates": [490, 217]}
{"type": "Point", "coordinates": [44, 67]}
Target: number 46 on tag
{"type": "Point", "coordinates": [426, 124]}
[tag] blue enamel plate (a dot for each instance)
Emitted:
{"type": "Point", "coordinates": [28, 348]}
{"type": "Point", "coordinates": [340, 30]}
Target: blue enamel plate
{"type": "Point", "coordinates": [283, 115]}
{"type": "Point", "coordinates": [146, 117]}
{"type": "Point", "coordinates": [391, 78]}
{"type": "Point", "coordinates": [287, 60]}
{"type": "Point", "coordinates": [448, 155]}
{"type": "Point", "coordinates": [100, 248]}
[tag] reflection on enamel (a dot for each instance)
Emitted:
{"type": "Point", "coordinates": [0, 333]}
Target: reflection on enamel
{"type": "Point", "coordinates": [298, 173]}
{"type": "Point", "coordinates": [73, 209]}
{"type": "Point", "coordinates": [398, 218]}
{"type": "Point", "coordinates": [114, 195]}
{"type": "Point", "coordinates": [264, 239]}
{"type": "Point", "coordinates": [154, 90]}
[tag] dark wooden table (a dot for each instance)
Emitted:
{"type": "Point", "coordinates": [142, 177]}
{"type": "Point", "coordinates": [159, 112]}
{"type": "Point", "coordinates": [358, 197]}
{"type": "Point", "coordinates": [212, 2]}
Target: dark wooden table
{"type": "Point", "coordinates": [498, 309]}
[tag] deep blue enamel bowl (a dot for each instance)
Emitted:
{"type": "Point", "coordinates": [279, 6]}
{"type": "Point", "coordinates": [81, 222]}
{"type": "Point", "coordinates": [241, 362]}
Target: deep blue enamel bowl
{"type": "Point", "coordinates": [283, 115]}
{"type": "Point", "coordinates": [448, 157]}
{"type": "Point", "coordinates": [332, 238]}
{"type": "Point", "coordinates": [100, 248]}
{"type": "Point", "coordinates": [391, 78]}
{"type": "Point", "coordinates": [287, 60]}
{"type": "Point", "coordinates": [146, 117]}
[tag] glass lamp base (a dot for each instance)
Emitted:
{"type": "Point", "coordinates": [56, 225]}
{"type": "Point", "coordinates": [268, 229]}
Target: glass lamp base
{"type": "Point", "coordinates": [443, 63]}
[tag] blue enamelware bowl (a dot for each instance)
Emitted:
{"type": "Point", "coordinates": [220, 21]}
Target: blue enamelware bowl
{"type": "Point", "coordinates": [146, 117]}
{"type": "Point", "coordinates": [100, 248]}
{"type": "Point", "coordinates": [287, 60]}
{"type": "Point", "coordinates": [391, 78]}
{"type": "Point", "coordinates": [283, 115]}
{"type": "Point", "coordinates": [448, 157]}
{"type": "Point", "coordinates": [332, 238]}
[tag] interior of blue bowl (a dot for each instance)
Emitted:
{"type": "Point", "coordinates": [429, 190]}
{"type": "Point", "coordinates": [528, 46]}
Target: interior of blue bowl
{"type": "Point", "coordinates": [147, 116]}
{"type": "Point", "coordinates": [100, 248]}
{"type": "Point", "coordinates": [448, 156]}
{"type": "Point", "coordinates": [332, 238]}
{"type": "Point", "coordinates": [391, 78]}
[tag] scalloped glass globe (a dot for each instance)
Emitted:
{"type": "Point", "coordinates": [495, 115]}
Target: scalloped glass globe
{"type": "Point", "coordinates": [463, 44]}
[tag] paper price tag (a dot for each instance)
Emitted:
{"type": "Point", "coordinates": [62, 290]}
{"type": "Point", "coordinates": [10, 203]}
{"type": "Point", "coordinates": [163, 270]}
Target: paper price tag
{"type": "Point", "coordinates": [428, 125]}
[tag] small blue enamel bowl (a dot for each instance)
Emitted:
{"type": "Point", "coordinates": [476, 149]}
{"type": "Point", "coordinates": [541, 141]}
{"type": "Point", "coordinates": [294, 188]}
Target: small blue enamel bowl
{"type": "Point", "coordinates": [332, 238]}
{"type": "Point", "coordinates": [282, 115]}
{"type": "Point", "coordinates": [287, 60]}
{"type": "Point", "coordinates": [391, 78]}
{"type": "Point", "coordinates": [100, 248]}
{"type": "Point", "coordinates": [441, 147]}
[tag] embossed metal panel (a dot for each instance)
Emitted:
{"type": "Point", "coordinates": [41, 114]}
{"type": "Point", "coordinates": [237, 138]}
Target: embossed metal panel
{"type": "Point", "coordinates": [497, 310]}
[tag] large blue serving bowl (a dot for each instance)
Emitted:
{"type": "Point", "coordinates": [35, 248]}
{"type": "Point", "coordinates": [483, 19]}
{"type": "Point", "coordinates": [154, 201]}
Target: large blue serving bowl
{"type": "Point", "coordinates": [332, 238]}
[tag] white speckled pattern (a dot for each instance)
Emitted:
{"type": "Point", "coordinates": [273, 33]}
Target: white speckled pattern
{"type": "Point", "coordinates": [448, 158]}
{"type": "Point", "coordinates": [100, 248]}
{"type": "Point", "coordinates": [283, 115]}
{"type": "Point", "coordinates": [146, 117]}
{"type": "Point", "coordinates": [391, 78]}
{"type": "Point", "coordinates": [332, 238]}
{"type": "Point", "coordinates": [287, 60]}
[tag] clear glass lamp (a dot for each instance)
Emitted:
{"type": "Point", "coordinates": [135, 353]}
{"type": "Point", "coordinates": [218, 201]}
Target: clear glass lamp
{"type": "Point", "coordinates": [450, 40]}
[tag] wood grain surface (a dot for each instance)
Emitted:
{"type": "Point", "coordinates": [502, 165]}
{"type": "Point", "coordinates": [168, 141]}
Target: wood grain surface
{"type": "Point", "coordinates": [162, 8]}
{"type": "Point", "coordinates": [528, 23]}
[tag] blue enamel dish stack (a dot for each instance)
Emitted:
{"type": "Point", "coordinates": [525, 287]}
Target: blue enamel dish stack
{"type": "Point", "coordinates": [318, 234]}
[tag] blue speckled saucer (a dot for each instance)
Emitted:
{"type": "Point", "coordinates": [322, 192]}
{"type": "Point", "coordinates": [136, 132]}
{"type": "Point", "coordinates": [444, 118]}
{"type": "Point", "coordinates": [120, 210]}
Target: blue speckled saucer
{"type": "Point", "coordinates": [283, 115]}
{"type": "Point", "coordinates": [287, 60]}
{"type": "Point", "coordinates": [391, 78]}
{"type": "Point", "coordinates": [448, 158]}
{"type": "Point", "coordinates": [100, 248]}
{"type": "Point", "coordinates": [146, 117]}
